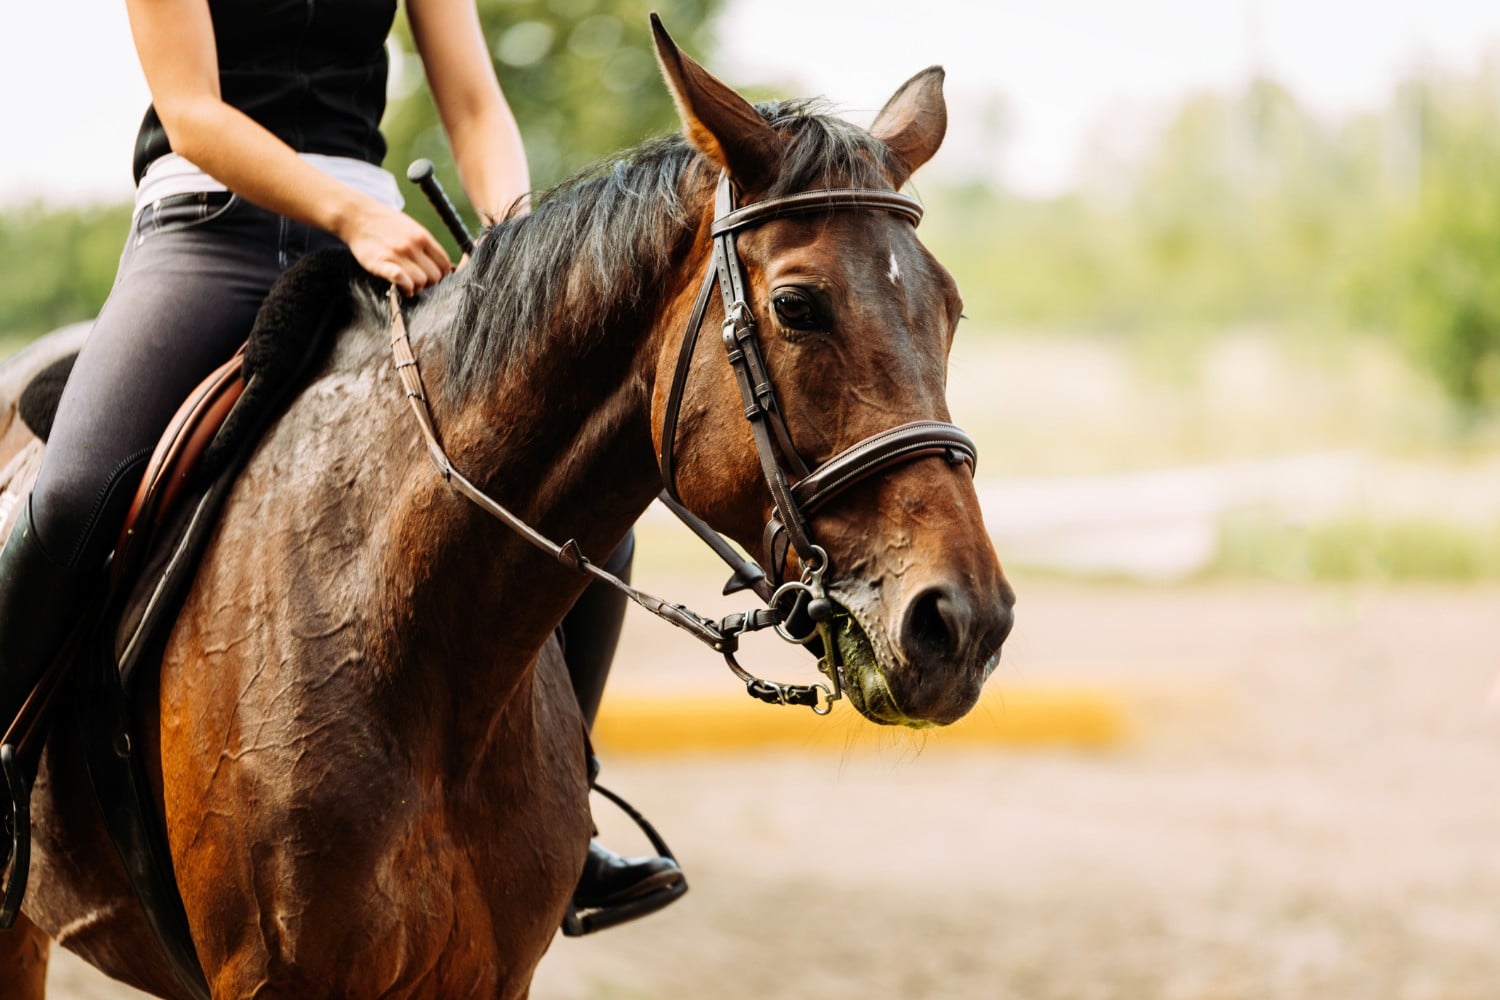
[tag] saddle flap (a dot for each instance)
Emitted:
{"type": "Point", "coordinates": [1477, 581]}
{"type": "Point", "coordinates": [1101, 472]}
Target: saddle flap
{"type": "Point", "coordinates": [177, 454]}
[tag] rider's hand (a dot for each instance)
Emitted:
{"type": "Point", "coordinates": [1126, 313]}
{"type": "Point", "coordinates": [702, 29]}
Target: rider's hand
{"type": "Point", "coordinates": [394, 246]}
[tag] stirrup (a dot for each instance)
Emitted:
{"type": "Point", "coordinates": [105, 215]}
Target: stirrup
{"type": "Point", "coordinates": [19, 822]}
{"type": "Point", "coordinates": [577, 923]}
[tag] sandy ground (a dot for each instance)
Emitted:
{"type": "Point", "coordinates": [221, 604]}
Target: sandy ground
{"type": "Point", "coordinates": [1307, 809]}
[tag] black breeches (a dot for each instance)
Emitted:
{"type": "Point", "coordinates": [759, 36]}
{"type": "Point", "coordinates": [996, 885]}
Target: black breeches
{"type": "Point", "coordinates": [193, 274]}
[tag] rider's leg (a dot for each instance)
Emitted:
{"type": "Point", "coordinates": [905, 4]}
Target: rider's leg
{"type": "Point", "coordinates": [611, 885]}
{"type": "Point", "coordinates": [192, 276]}
{"type": "Point", "coordinates": [40, 595]}
{"type": "Point", "coordinates": [591, 631]}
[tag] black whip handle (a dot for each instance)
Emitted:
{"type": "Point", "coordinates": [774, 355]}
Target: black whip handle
{"type": "Point", "coordinates": [424, 175]}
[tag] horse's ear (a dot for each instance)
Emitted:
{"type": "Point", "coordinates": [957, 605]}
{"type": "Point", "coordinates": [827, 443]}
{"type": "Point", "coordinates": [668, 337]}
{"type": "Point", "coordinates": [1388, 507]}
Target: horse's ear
{"type": "Point", "coordinates": [719, 122]}
{"type": "Point", "coordinates": [913, 121]}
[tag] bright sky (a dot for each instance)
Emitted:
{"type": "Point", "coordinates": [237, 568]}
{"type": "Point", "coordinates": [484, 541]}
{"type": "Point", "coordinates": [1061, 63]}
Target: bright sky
{"type": "Point", "coordinates": [1027, 82]}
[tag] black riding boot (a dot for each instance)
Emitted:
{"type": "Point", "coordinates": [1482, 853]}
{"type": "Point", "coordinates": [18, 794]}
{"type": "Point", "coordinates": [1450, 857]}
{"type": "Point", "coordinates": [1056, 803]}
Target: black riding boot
{"type": "Point", "coordinates": [39, 603]}
{"type": "Point", "coordinates": [612, 889]}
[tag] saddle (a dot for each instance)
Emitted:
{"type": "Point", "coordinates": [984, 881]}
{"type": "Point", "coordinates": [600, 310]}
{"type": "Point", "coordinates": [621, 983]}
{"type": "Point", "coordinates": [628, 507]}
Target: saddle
{"type": "Point", "coordinates": [173, 463]}
{"type": "Point", "coordinates": [170, 521]}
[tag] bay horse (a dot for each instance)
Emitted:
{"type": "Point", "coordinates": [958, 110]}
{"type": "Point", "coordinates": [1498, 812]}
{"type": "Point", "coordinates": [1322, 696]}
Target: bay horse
{"type": "Point", "coordinates": [372, 764]}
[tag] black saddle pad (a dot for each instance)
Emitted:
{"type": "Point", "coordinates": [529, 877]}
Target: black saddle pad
{"type": "Point", "coordinates": [38, 403]}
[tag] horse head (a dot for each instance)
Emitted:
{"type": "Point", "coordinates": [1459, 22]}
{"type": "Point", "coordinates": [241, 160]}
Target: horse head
{"type": "Point", "coordinates": [853, 320]}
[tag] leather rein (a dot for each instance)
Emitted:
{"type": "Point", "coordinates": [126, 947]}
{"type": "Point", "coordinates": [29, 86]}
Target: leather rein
{"type": "Point", "coordinates": [796, 491]}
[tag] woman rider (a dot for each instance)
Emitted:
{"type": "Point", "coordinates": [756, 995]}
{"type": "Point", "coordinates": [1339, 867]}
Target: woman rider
{"type": "Point", "coordinates": [262, 144]}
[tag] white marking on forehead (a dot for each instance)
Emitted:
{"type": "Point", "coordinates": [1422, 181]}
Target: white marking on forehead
{"type": "Point", "coordinates": [895, 272]}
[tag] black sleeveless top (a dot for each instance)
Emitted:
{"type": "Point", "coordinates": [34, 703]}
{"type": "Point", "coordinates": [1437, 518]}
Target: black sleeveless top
{"type": "Point", "coordinates": [311, 71]}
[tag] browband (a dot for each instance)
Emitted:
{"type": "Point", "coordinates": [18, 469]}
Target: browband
{"type": "Point", "coordinates": [828, 200]}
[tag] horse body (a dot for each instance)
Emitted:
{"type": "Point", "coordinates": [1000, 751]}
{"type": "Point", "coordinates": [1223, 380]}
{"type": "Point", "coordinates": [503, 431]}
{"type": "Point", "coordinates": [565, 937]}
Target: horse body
{"type": "Point", "coordinates": [371, 616]}
{"type": "Point", "coordinates": [350, 608]}
{"type": "Point", "coordinates": [372, 764]}
{"type": "Point", "coordinates": [320, 650]}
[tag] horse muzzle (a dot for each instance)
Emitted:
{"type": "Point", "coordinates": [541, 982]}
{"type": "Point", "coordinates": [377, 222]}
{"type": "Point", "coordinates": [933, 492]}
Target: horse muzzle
{"type": "Point", "coordinates": [923, 662]}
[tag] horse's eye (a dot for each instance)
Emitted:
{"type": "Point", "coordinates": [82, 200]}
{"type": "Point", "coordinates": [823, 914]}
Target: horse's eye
{"type": "Point", "coordinates": [796, 310]}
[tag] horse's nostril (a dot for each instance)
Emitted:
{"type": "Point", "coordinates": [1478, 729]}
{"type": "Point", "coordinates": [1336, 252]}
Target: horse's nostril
{"type": "Point", "coordinates": [935, 624]}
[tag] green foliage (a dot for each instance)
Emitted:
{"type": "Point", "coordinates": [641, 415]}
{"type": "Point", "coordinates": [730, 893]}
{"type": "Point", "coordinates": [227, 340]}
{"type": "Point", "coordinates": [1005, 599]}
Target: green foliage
{"type": "Point", "coordinates": [1247, 210]}
{"type": "Point", "coordinates": [1441, 267]}
{"type": "Point", "coordinates": [1250, 210]}
{"type": "Point", "coordinates": [580, 76]}
{"type": "Point", "coordinates": [59, 265]}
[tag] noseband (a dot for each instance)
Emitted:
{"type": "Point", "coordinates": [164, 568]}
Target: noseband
{"type": "Point", "coordinates": [780, 462]}
{"type": "Point", "coordinates": [796, 492]}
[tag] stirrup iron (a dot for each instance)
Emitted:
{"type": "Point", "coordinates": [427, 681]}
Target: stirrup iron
{"type": "Point", "coordinates": [577, 923]}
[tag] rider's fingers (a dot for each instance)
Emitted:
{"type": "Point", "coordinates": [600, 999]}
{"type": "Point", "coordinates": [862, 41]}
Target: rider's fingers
{"type": "Point", "coordinates": [430, 271]}
{"type": "Point", "coordinates": [438, 256]}
{"type": "Point", "coordinates": [396, 275]}
{"type": "Point", "coordinates": [429, 264]}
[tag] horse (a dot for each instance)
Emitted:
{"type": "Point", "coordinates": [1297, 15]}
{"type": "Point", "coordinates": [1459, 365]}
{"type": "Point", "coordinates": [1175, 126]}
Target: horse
{"type": "Point", "coordinates": [371, 766]}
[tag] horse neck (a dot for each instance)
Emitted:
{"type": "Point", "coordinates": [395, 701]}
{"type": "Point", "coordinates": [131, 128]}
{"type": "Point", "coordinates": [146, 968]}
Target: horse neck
{"type": "Point", "coordinates": [564, 442]}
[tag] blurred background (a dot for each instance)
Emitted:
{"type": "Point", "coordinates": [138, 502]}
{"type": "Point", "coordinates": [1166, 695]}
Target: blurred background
{"type": "Point", "coordinates": [1232, 359]}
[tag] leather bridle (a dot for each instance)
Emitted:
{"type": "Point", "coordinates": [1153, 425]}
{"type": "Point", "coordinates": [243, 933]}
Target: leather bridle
{"type": "Point", "coordinates": [796, 491]}
{"type": "Point", "coordinates": [780, 462]}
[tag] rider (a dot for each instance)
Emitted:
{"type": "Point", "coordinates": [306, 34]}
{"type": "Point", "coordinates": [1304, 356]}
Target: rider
{"type": "Point", "coordinates": [262, 144]}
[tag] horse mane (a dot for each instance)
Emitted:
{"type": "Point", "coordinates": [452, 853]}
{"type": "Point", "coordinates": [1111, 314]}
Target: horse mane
{"type": "Point", "coordinates": [603, 241]}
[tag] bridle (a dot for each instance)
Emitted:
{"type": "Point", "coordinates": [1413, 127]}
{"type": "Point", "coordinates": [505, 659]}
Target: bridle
{"type": "Point", "coordinates": [797, 492]}
{"type": "Point", "coordinates": [779, 459]}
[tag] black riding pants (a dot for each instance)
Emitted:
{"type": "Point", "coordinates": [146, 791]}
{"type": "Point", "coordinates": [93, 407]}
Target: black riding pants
{"type": "Point", "coordinates": [193, 274]}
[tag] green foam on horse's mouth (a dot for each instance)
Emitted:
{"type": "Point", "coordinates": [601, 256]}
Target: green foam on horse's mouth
{"type": "Point", "coordinates": [855, 649]}
{"type": "Point", "coordinates": [864, 684]}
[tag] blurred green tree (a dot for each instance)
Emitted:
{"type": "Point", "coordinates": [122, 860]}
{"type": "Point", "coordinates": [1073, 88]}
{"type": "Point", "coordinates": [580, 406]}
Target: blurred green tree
{"type": "Point", "coordinates": [1245, 208]}
{"type": "Point", "coordinates": [580, 76]}
{"type": "Point", "coordinates": [1441, 268]}
{"type": "Point", "coordinates": [59, 265]}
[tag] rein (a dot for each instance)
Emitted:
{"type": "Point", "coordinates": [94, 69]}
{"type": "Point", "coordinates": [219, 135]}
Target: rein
{"type": "Point", "coordinates": [793, 503]}
{"type": "Point", "coordinates": [722, 636]}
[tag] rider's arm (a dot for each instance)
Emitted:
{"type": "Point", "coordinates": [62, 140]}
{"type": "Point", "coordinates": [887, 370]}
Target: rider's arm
{"type": "Point", "coordinates": [175, 42]}
{"type": "Point", "coordinates": [480, 126]}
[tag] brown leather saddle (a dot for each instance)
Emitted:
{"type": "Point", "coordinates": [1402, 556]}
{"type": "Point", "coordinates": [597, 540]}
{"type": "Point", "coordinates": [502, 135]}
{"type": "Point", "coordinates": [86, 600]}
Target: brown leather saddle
{"type": "Point", "coordinates": [169, 472]}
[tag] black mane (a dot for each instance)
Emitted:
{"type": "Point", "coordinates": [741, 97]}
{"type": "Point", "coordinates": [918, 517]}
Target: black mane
{"type": "Point", "coordinates": [608, 235]}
